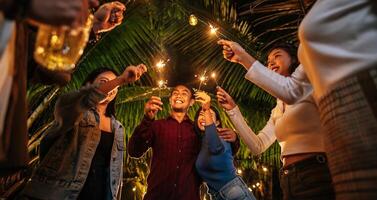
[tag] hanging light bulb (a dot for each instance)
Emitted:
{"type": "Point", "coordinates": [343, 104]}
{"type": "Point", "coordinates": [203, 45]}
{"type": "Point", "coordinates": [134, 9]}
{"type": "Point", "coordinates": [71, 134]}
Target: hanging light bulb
{"type": "Point", "coordinates": [193, 20]}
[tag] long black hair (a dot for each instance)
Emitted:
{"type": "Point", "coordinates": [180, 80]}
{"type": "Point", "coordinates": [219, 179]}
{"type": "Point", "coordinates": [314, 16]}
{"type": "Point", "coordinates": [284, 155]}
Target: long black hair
{"type": "Point", "coordinates": [196, 127]}
{"type": "Point", "coordinates": [110, 110]}
{"type": "Point", "coordinates": [292, 52]}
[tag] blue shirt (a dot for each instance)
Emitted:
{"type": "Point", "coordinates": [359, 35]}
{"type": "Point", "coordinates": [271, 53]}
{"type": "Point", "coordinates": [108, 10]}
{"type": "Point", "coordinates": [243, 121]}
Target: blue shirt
{"type": "Point", "coordinates": [215, 160]}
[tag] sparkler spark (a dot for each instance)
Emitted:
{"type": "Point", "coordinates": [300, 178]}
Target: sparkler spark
{"type": "Point", "coordinates": [214, 77]}
{"type": "Point", "coordinates": [162, 83]}
{"type": "Point", "coordinates": [203, 78]}
{"type": "Point", "coordinates": [213, 30]}
{"type": "Point", "coordinates": [161, 64]}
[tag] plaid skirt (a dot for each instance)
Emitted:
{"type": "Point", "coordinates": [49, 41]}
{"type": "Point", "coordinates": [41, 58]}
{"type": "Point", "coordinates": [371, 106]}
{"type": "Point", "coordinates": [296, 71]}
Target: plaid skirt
{"type": "Point", "coordinates": [349, 116]}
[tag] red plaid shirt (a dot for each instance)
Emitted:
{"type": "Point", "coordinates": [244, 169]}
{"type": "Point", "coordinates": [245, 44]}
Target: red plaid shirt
{"type": "Point", "coordinates": [175, 148]}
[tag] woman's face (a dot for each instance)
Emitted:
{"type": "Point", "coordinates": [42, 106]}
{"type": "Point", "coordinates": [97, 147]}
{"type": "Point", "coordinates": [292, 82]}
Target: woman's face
{"type": "Point", "coordinates": [202, 121]}
{"type": "Point", "coordinates": [103, 78]}
{"type": "Point", "coordinates": [279, 61]}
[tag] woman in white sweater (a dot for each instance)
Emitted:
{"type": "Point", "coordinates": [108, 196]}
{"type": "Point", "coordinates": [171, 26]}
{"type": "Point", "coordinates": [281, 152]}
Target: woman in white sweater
{"type": "Point", "coordinates": [305, 173]}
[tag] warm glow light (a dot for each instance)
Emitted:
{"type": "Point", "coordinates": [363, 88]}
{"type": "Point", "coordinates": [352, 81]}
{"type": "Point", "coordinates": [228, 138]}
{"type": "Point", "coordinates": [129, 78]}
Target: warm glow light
{"type": "Point", "coordinates": [161, 64]}
{"type": "Point", "coordinates": [134, 189]}
{"type": "Point", "coordinates": [239, 171]}
{"type": "Point", "coordinates": [203, 78]}
{"type": "Point", "coordinates": [162, 83]}
{"type": "Point", "coordinates": [264, 169]}
{"type": "Point", "coordinates": [258, 184]}
{"type": "Point", "coordinates": [213, 75]}
{"type": "Point", "coordinates": [213, 30]}
{"type": "Point", "coordinates": [253, 186]}
{"type": "Point", "coordinates": [193, 20]}
{"type": "Point", "coordinates": [250, 189]}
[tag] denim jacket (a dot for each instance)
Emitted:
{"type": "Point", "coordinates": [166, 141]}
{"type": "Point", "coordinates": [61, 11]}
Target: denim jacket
{"type": "Point", "coordinates": [71, 142]}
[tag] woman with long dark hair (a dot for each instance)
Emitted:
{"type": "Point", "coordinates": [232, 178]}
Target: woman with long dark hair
{"type": "Point", "coordinates": [305, 173]}
{"type": "Point", "coordinates": [215, 160]}
{"type": "Point", "coordinates": [82, 153]}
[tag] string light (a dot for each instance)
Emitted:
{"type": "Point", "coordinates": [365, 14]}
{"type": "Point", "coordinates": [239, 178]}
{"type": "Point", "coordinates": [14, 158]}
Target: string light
{"type": "Point", "coordinates": [257, 184]}
{"type": "Point", "coordinates": [264, 169]}
{"type": "Point", "coordinates": [239, 171]}
{"type": "Point", "coordinates": [250, 189]}
{"type": "Point", "coordinates": [193, 20]}
{"type": "Point", "coordinates": [134, 189]}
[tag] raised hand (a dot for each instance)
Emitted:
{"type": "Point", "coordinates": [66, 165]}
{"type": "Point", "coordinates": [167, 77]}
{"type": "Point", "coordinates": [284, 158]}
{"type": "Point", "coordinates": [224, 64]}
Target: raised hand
{"type": "Point", "coordinates": [108, 16]}
{"type": "Point", "coordinates": [224, 99]}
{"type": "Point", "coordinates": [153, 105]}
{"type": "Point", "coordinates": [58, 12]}
{"type": "Point", "coordinates": [227, 134]}
{"type": "Point", "coordinates": [204, 99]}
{"type": "Point", "coordinates": [133, 73]}
{"type": "Point", "coordinates": [233, 52]}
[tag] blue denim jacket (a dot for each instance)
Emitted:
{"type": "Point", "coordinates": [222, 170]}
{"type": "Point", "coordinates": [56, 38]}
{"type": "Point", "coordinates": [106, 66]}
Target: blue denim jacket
{"type": "Point", "coordinates": [71, 142]}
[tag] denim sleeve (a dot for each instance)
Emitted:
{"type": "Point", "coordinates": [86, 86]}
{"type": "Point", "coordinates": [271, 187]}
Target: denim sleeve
{"type": "Point", "coordinates": [213, 140]}
{"type": "Point", "coordinates": [71, 106]}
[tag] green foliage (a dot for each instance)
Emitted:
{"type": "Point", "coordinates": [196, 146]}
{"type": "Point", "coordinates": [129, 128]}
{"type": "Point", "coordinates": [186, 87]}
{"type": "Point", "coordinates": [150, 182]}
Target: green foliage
{"type": "Point", "coordinates": [150, 26]}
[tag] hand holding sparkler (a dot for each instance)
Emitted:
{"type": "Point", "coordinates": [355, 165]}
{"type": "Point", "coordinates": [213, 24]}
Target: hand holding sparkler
{"type": "Point", "coordinates": [224, 99]}
{"type": "Point", "coordinates": [153, 105]}
{"type": "Point", "coordinates": [133, 73]}
{"type": "Point", "coordinates": [204, 99]}
{"type": "Point", "coordinates": [233, 52]}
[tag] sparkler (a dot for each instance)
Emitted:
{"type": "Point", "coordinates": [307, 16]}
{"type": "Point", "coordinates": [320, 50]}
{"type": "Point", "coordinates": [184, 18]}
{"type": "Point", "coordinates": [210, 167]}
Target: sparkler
{"type": "Point", "coordinates": [203, 78]}
{"type": "Point", "coordinates": [213, 30]}
{"type": "Point", "coordinates": [214, 77]}
{"type": "Point", "coordinates": [161, 85]}
{"type": "Point", "coordinates": [160, 66]}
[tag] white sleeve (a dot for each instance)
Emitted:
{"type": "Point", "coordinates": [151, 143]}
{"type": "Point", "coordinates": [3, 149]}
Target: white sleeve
{"type": "Point", "coordinates": [256, 143]}
{"type": "Point", "coordinates": [288, 89]}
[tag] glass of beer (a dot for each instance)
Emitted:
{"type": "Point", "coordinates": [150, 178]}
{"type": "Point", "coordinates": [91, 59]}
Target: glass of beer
{"type": "Point", "coordinates": [59, 48]}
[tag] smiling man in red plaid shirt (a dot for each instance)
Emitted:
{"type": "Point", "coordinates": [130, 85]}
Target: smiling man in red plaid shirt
{"type": "Point", "coordinates": [175, 148]}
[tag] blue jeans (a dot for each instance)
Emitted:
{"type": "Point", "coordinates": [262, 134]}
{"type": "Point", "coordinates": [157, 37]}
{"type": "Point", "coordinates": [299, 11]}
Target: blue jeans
{"type": "Point", "coordinates": [235, 189]}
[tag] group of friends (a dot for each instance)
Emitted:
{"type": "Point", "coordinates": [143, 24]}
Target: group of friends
{"type": "Point", "coordinates": [325, 121]}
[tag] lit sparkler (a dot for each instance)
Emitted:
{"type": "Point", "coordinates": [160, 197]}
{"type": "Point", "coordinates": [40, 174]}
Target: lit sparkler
{"type": "Point", "coordinates": [214, 77]}
{"type": "Point", "coordinates": [203, 78]}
